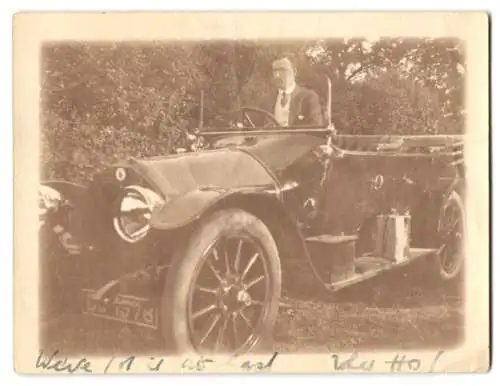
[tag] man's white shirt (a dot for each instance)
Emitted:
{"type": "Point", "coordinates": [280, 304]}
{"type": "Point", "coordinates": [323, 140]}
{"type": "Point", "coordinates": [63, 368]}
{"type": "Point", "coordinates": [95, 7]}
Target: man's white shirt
{"type": "Point", "coordinates": [281, 113]}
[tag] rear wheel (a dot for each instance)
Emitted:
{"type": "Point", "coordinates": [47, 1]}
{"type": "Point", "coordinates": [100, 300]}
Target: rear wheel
{"type": "Point", "coordinates": [223, 288]}
{"type": "Point", "coordinates": [451, 227]}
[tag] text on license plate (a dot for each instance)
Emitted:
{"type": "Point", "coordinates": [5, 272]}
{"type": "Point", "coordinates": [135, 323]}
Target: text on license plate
{"type": "Point", "coordinates": [125, 308]}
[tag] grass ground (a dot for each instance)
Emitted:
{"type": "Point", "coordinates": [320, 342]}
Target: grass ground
{"type": "Point", "coordinates": [399, 310]}
{"type": "Point", "coordinates": [402, 309]}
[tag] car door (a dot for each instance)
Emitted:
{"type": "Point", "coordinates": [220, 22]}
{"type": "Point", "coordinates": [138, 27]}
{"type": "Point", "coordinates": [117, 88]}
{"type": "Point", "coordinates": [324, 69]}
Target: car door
{"type": "Point", "coordinates": [360, 187]}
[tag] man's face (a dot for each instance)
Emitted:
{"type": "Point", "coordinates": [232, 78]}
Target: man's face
{"type": "Point", "coordinates": [283, 73]}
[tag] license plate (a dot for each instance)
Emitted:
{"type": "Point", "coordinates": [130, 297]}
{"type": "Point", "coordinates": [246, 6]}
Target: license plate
{"type": "Point", "coordinates": [125, 308]}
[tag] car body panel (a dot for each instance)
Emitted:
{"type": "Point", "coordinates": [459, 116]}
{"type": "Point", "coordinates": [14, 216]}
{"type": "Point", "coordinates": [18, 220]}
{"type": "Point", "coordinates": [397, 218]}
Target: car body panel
{"type": "Point", "coordinates": [192, 182]}
{"type": "Point", "coordinates": [280, 152]}
{"type": "Point", "coordinates": [350, 187]}
{"type": "Point", "coordinates": [190, 206]}
{"type": "Point", "coordinates": [285, 165]}
{"type": "Point", "coordinates": [220, 169]}
{"type": "Point", "coordinates": [379, 184]}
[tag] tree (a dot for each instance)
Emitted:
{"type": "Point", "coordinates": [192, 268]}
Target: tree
{"type": "Point", "coordinates": [104, 102]}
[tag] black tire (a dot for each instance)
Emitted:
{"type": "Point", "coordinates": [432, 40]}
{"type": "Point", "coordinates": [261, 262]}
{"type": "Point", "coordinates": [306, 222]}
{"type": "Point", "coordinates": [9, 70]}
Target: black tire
{"type": "Point", "coordinates": [452, 244]}
{"type": "Point", "coordinates": [60, 271]}
{"type": "Point", "coordinates": [176, 304]}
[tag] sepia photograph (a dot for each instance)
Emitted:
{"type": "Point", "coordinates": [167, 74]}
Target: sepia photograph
{"type": "Point", "coordinates": [256, 195]}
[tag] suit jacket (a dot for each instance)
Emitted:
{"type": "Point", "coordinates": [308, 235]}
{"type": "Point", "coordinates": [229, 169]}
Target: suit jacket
{"type": "Point", "coordinates": [305, 109]}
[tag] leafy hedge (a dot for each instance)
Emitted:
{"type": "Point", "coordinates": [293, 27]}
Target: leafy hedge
{"type": "Point", "coordinates": [105, 102]}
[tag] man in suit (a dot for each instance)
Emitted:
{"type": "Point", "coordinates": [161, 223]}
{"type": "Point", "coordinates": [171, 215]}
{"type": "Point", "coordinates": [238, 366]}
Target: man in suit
{"type": "Point", "coordinates": [293, 105]}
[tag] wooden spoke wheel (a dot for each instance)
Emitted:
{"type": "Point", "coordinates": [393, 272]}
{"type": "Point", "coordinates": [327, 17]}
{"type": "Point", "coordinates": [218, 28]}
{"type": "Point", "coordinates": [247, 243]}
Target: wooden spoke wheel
{"type": "Point", "coordinates": [451, 228]}
{"type": "Point", "coordinates": [222, 292]}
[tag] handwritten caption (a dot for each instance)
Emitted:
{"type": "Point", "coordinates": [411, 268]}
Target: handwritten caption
{"type": "Point", "coordinates": [55, 363]}
{"type": "Point", "coordinates": [354, 362]}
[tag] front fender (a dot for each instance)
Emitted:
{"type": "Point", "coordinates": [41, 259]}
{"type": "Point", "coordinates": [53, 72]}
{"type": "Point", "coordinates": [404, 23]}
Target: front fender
{"type": "Point", "coordinates": [72, 200]}
{"type": "Point", "coordinates": [264, 204]}
{"type": "Point", "coordinates": [70, 191]}
{"type": "Point", "coordinates": [189, 207]}
{"type": "Point", "coordinates": [67, 217]}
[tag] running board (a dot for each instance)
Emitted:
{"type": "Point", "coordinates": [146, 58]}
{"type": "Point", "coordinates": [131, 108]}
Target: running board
{"type": "Point", "coordinates": [367, 267]}
{"type": "Point", "coordinates": [331, 239]}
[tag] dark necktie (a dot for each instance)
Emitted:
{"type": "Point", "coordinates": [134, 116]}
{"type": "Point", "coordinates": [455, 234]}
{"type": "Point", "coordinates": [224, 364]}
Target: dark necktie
{"type": "Point", "coordinates": [284, 99]}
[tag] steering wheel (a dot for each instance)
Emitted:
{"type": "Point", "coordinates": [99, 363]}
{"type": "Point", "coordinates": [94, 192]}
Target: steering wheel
{"type": "Point", "coordinates": [246, 109]}
{"type": "Point", "coordinates": [243, 112]}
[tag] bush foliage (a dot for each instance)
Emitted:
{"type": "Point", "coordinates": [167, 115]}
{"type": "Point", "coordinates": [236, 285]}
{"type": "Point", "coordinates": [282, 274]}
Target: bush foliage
{"type": "Point", "coordinates": [106, 102]}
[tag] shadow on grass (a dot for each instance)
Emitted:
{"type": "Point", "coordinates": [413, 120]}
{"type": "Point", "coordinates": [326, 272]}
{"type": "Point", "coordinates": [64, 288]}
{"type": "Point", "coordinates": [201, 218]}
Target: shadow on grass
{"type": "Point", "coordinates": [400, 309]}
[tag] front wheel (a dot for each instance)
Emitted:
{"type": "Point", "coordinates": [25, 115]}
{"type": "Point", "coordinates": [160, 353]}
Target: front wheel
{"type": "Point", "coordinates": [222, 291]}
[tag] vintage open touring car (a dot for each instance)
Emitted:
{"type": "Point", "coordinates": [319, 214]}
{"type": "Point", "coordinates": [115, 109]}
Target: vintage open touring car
{"type": "Point", "coordinates": [191, 245]}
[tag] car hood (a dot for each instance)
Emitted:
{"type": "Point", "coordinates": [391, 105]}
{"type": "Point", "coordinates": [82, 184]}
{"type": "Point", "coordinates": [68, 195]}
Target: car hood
{"type": "Point", "coordinates": [223, 169]}
{"type": "Point", "coordinates": [279, 152]}
{"type": "Point", "coordinates": [252, 165]}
